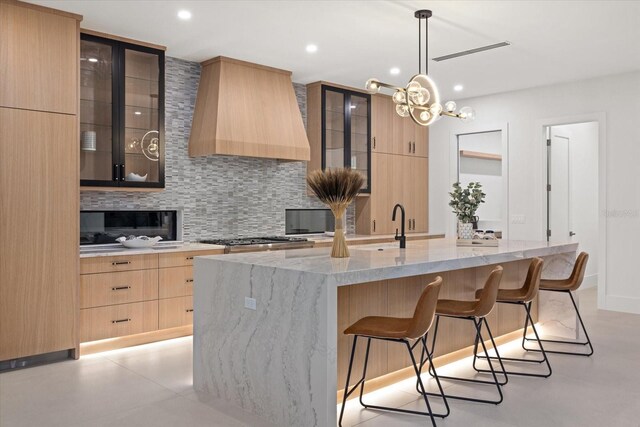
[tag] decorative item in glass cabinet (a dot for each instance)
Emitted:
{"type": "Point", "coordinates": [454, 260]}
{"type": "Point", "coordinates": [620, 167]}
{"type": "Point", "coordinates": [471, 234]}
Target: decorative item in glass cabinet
{"type": "Point", "coordinates": [465, 203]}
{"type": "Point", "coordinates": [337, 188]}
{"type": "Point", "coordinates": [420, 99]}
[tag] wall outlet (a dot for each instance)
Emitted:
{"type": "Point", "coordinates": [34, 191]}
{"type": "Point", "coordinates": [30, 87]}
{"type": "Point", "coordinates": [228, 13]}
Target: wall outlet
{"type": "Point", "coordinates": [517, 219]}
{"type": "Point", "coordinates": [250, 303]}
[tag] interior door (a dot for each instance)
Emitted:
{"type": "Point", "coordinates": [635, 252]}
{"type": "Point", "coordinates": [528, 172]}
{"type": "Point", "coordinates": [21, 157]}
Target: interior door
{"type": "Point", "coordinates": [558, 189]}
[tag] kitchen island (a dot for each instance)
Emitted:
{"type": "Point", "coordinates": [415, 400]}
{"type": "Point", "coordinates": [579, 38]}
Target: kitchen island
{"type": "Point", "coordinates": [284, 359]}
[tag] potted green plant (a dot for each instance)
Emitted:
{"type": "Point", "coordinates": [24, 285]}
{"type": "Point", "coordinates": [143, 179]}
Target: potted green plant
{"type": "Point", "coordinates": [465, 203]}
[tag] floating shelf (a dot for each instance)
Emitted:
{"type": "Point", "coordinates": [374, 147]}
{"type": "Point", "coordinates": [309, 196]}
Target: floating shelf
{"type": "Point", "coordinates": [480, 155]}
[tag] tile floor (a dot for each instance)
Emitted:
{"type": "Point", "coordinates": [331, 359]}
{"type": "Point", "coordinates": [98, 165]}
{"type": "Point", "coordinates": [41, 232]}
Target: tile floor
{"type": "Point", "coordinates": [151, 386]}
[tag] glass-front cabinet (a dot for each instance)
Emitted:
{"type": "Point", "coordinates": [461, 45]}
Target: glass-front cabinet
{"type": "Point", "coordinates": [121, 114]}
{"type": "Point", "coordinates": [346, 130]}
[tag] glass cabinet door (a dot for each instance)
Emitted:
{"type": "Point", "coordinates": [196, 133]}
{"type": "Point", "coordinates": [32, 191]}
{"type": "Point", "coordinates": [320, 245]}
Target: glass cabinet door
{"type": "Point", "coordinates": [142, 125]}
{"type": "Point", "coordinates": [97, 156]}
{"type": "Point", "coordinates": [359, 107]}
{"type": "Point", "coordinates": [334, 130]}
{"type": "Point", "coordinates": [346, 126]}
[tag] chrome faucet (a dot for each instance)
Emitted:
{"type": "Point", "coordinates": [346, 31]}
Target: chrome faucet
{"type": "Point", "coordinates": [402, 237]}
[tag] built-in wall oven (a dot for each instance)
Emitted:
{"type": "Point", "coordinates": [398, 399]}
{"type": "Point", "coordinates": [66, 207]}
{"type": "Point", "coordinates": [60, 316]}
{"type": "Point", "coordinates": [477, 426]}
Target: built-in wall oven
{"type": "Point", "coordinates": [102, 227]}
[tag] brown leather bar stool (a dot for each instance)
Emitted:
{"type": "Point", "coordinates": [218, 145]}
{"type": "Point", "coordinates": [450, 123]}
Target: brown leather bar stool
{"type": "Point", "coordinates": [400, 330]}
{"type": "Point", "coordinates": [523, 296]}
{"type": "Point", "coordinates": [475, 311]}
{"type": "Point", "coordinates": [567, 286]}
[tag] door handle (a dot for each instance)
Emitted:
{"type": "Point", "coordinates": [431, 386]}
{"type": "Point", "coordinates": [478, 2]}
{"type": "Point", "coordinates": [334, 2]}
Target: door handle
{"type": "Point", "coordinates": [571, 233]}
{"type": "Point", "coordinates": [374, 142]}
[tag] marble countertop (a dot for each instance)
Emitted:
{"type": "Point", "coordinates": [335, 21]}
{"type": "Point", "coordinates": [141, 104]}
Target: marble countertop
{"type": "Point", "coordinates": [386, 261]}
{"type": "Point", "coordinates": [117, 251]}
{"type": "Point", "coordinates": [365, 237]}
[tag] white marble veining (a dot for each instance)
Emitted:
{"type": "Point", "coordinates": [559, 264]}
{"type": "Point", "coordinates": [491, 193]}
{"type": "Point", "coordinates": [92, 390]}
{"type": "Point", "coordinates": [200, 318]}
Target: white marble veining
{"type": "Point", "coordinates": [279, 361]}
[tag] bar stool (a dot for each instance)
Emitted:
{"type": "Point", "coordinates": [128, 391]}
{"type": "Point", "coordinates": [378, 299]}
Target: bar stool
{"type": "Point", "coordinates": [524, 297]}
{"type": "Point", "coordinates": [567, 286]}
{"type": "Point", "coordinates": [399, 330]}
{"type": "Point", "coordinates": [474, 311]}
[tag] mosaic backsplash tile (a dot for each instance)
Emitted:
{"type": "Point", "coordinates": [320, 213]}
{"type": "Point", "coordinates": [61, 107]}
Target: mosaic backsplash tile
{"type": "Point", "coordinates": [220, 196]}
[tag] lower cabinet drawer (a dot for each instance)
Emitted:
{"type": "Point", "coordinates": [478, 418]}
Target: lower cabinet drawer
{"type": "Point", "coordinates": [102, 289]}
{"type": "Point", "coordinates": [118, 320]}
{"type": "Point", "coordinates": [175, 282]}
{"type": "Point", "coordinates": [175, 312]}
{"type": "Point", "coordinates": [184, 258]}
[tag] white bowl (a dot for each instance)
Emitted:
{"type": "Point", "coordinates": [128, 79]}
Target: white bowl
{"type": "Point", "coordinates": [135, 177]}
{"type": "Point", "coordinates": [139, 242]}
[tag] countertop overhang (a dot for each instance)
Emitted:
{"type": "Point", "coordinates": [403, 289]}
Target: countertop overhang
{"type": "Point", "coordinates": [387, 261]}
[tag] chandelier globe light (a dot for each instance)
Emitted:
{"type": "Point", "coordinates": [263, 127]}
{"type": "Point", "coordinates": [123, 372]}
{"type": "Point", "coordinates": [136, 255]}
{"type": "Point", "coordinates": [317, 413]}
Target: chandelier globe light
{"type": "Point", "coordinates": [420, 99]}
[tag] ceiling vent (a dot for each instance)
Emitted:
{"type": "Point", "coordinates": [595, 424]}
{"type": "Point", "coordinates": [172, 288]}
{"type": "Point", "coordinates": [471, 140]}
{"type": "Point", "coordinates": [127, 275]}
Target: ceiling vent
{"type": "Point", "coordinates": [471, 51]}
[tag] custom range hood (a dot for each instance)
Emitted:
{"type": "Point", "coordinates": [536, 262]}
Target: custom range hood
{"type": "Point", "coordinates": [246, 109]}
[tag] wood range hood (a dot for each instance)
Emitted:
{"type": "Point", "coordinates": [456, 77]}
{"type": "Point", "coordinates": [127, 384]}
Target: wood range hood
{"type": "Point", "coordinates": [246, 109]}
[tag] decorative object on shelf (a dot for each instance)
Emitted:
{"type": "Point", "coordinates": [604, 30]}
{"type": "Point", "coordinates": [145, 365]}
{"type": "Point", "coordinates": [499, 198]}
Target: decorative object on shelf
{"type": "Point", "coordinates": [137, 242]}
{"type": "Point", "coordinates": [337, 188]}
{"type": "Point", "coordinates": [131, 176]}
{"type": "Point", "coordinates": [465, 203]}
{"type": "Point", "coordinates": [420, 98]}
{"type": "Point", "coordinates": [88, 141]}
{"type": "Point", "coordinates": [148, 145]}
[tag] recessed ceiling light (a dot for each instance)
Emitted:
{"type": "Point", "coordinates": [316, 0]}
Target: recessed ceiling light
{"type": "Point", "coordinates": [93, 59]}
{"type": "Point", "coordinates": [311, 48]}
{"type": "Point", "coordinates": [137, 113]}
{"type": "Point", "coordinates": [185, 15]}
{"type": "Point", "coordinates": [458, 88]}
{"type": "Point", "coordinates": [394, 71]}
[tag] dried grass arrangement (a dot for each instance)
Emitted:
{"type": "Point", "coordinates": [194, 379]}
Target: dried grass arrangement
{"type": "Point", "coordinates": [337, 188]}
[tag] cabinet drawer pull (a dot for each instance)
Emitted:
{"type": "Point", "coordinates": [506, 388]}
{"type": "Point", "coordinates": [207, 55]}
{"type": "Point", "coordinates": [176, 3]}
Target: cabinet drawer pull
{"type": "Point", "coordinates": [121, 288]}
{"type": "Point", "coordinates": [409, 147]}
{"type": "Point", "coordinates": [121, 262]}
{"type": "Point", "coordinates": [189, 258]}
{"type": "Point", "coordinates": [189, 310]}
{"type": "Point", "coordinates": [374, 142]}
{"type": "Point", "coordinates": [189, 280]}
{"type": "Point", "coordinates": [374, 225]}
{"type": "Point", "coordinates": [121, 321]}
{"type": "Point", "coordinates": [414, 147]}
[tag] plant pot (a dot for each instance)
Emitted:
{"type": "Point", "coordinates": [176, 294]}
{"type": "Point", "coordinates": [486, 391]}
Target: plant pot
{"type": "Point", "coordinates": [465, 230]}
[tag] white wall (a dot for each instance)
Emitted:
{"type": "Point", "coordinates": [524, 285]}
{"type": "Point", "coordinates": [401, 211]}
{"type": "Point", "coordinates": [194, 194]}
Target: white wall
{"type": "Point", "coordinates": [618, 97]}
{"type": "Point", "coordinates": [583, 181]}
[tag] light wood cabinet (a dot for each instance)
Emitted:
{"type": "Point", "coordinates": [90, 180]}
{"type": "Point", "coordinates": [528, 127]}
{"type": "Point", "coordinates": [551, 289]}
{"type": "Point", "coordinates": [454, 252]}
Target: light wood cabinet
{"type": "Point", "coordinates": [382, 114]}
{"type": "Point", "coordinates": [174, 312]}
{"type": "Point", "coordinates": [102, 289]}
{"type": "Point", "coordinates": [175, 282]}
{"type": "Point", "coordinates": [118, 320]}
{"type": "Point", "coordinates": [38, 58]}
{"type": "Point", "coordinates": [39, 204]}
{"type": "Point", "coordinates": [393, 134]}
{"type": "Point", "coordinates": [110, 264]}
{"type": "Point", "coordinates": [126, 295]}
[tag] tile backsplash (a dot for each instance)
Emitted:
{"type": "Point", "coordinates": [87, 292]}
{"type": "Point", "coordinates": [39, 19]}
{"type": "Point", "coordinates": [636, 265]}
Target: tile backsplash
{"type": "Point", "coordinates": [219, 196]}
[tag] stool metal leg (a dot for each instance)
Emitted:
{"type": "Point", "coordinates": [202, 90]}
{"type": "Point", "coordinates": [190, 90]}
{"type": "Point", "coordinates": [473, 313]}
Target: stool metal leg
{"type": "Point", "coordinates": [478, 325]}
{"type": "Point", "coordinates": [545, 359]}
{"type": "Point", "coordinates": [588, 342]}
{"type": "Point", "coordinates": [362, 381]}
{"type": "Point", "coordinates": [499, 358]}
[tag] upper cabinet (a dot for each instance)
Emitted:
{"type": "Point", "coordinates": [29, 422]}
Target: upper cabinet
{"type": "Point", "coordinates": [339, 129]}
{"type": "Point", "coordinates": [32, 41]}
{"type": "Point", "coordinates": [392, 134]}
{"type": "Point", "coordinates": [121, 114]}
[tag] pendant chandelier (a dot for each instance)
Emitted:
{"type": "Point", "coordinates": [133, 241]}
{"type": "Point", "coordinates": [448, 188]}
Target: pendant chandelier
{"type": "Point", "coordinates": [420, 99]}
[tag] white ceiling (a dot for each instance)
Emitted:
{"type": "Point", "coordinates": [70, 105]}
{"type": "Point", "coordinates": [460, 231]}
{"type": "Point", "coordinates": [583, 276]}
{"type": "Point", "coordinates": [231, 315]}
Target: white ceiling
{"type": "Point", "coordinates": [552, 41]}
